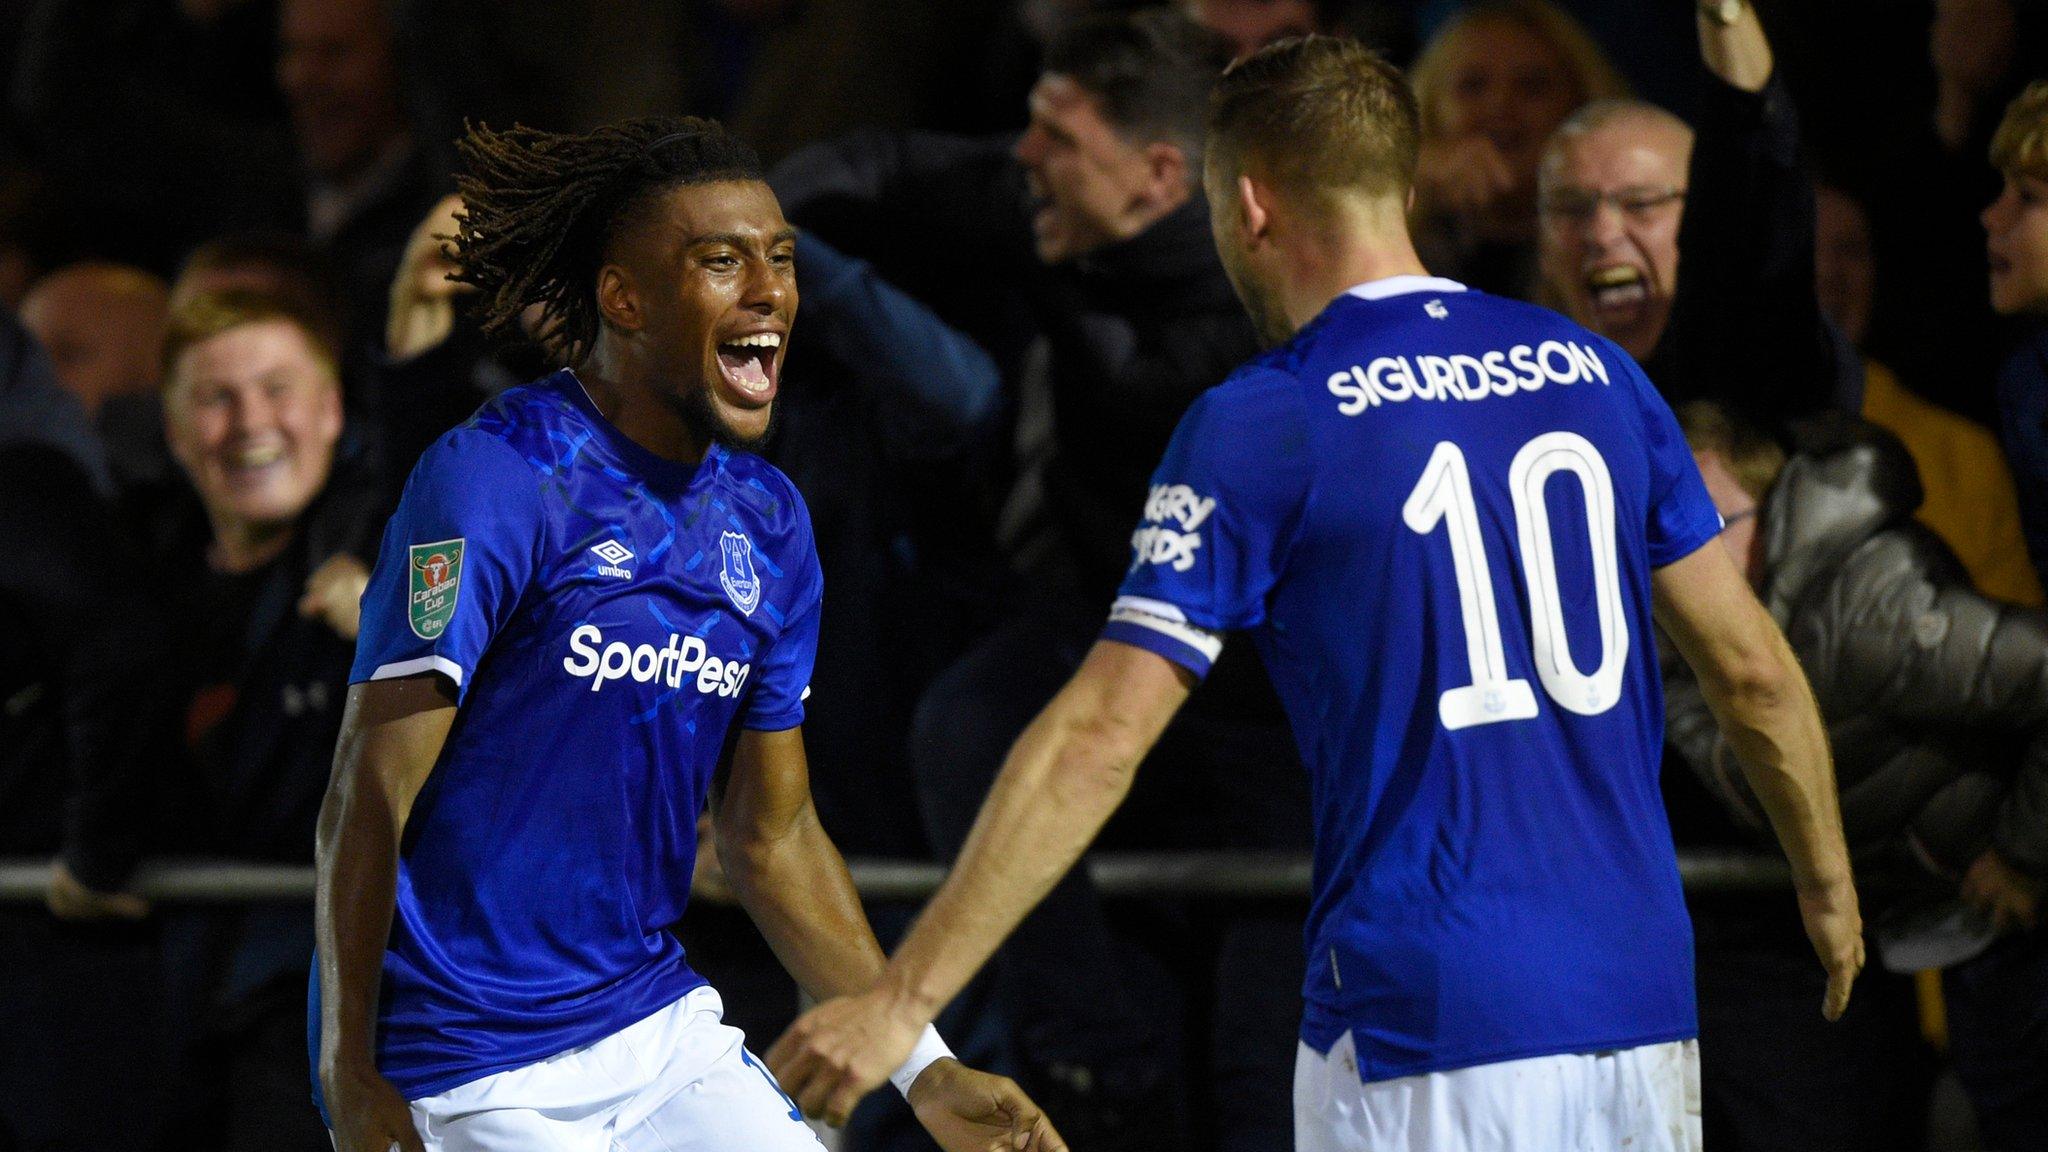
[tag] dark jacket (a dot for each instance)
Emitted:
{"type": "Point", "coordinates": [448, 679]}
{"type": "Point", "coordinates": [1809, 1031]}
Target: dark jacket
{"type": "Point", "coordinates": [1936, 698]}
{"type": "Point", "coordinates": [82, 657]}
{"type": "Point", "coordinates": [260, 740]}
{"type": "Point", "coordinates": [1135, 331]}
{"type": "Point", "coordinates": [1746, 325]}
{"type": "Point", "coordinates": [2023, 428]}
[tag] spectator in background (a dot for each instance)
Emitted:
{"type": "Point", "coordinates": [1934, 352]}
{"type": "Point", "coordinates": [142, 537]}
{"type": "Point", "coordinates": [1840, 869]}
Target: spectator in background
{"type": "Point", "coordinates": [1626, 188]}
{"type": "Point", "coordinates": [1931, 319]}
{"type": "Point", "coordinates": [369, 178]}
{"type": "Point", "coordinates": [1936, 700]}
{"type": "Point", "coordinates": [2016, 241]}
{"type": "Point", "coordinates": [1090, 234]}
{"type": "Point", "coordinates": [1493, 84]}
{"type": "Point", "coordinates": [103, 326]}
{"type": "Point", "coordinates": [1969, 501]}
{"type": "Point", "coordinates": [265, 591]}
{"type": "Point", "coordinates": [434, 368]}
{"type": "Point", "coordinates": [82, 672]}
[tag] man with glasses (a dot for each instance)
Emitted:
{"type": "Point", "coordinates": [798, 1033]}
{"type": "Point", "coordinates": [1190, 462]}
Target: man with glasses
{"type": "Point", "coordinates": [1626, 187]}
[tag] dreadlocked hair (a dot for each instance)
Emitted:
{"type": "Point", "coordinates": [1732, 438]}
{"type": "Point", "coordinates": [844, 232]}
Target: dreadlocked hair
{"type": "Point", "coordinates": [540, 210]}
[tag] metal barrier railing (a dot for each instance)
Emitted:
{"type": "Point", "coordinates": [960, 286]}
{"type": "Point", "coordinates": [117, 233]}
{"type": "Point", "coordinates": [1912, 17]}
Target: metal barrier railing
{"type": "Point", "coordinates": [1239, 875]}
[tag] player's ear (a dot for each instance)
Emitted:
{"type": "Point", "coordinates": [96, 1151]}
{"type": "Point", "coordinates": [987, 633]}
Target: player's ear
{"type": "Point", "coordinates": [618, 298]}
{"type": "Point", "coordinates": [1254, 208]}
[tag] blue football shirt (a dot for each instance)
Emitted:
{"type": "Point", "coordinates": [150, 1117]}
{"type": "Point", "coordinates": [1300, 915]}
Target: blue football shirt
{"type": "Point", "coordinates": [608, 618]}
{"type": "Point", "coordinates": [1437, 512]}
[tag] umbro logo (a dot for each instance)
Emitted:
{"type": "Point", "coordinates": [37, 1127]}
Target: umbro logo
{"type": "Point", "coordinates": [1436, 310]}
{"type": "Point", "coordinates": [613, 554]}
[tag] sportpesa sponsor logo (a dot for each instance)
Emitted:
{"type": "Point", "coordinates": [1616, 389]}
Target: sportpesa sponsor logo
{"type": "Point", "coordinates": [1156, 541]}
{"type": "Point", "coordinates": [1522, 368]}
{"type": "Point", "coordinates": [672, 664]}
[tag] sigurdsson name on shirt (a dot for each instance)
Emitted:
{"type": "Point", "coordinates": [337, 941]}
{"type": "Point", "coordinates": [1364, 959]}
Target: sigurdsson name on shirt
{"type": "Point", "coordinates": [1522, 368]}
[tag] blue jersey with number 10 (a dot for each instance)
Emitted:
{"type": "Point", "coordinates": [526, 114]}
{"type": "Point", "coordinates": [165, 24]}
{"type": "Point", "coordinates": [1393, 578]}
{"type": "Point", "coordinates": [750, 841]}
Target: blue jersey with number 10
{"type": "Point", "coordinates": [1437, 512]}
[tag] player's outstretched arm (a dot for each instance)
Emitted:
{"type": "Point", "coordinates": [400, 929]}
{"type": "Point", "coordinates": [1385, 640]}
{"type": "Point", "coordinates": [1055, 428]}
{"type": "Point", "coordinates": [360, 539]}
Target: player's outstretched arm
{"type": "Point", "coordinates": [1067, 773]}
{"type": "Point", "coordinates": [391, 734]}
{"type": "Point", "coordinates": [1754, 685]}
{"type": "Point", "coordinates": [784, 869]}
{"type": "Point", "coordinates": [790, 878]}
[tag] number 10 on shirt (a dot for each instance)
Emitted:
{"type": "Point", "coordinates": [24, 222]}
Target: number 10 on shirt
{"type": "Point", "coordinates": [1443, 496]}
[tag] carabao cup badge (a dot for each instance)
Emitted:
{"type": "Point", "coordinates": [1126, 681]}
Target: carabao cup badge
{"type": "Point", "coordinates": [436, 579]}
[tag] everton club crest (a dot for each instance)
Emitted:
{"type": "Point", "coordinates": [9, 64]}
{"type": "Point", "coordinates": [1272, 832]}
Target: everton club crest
{"type": "Point", "coordinates": [741, 584]}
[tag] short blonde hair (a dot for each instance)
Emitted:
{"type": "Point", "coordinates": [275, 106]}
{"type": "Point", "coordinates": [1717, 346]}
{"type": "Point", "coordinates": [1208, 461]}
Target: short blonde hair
{"type": "Point", "coordinates": [1753, 458]}
{"type": "Point", "coordinates": [200, 318]}
{"type": "Point", "coordinates": [1318, 115]}
{"type": "Point", "coordinates": [2021, 143]}
{"type": "Point", "coordinates": [1591, 72]}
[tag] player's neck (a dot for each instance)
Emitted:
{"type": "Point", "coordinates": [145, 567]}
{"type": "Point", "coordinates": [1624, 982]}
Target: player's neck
{"type": "Point", "coordinates": [631, 401]}
{"type": "Point", "coordinates": [1322, 277]}
{"type": "Point", "coordinates": [1340, 244]}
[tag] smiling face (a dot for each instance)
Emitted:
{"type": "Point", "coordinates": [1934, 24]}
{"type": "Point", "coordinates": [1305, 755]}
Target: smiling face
{"type": "Point", "coordinates": [252, 415]}
{"type": "Point", "coordinates": [713, 276]}
{"type": "Point", "coordinates": [1611, 201]}
{"type": "Point", "coordinates": [2016, 243]}
{"type": "Point", "coordinates": [1510, 85]}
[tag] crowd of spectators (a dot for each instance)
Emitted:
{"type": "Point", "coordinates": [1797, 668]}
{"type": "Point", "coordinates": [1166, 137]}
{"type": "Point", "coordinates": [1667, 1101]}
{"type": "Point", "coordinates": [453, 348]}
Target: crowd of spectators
{"type": "Point", "coordinates": [229, 329]}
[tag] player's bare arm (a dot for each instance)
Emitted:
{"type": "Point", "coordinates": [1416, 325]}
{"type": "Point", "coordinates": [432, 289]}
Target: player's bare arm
{"type": "Point", "coordinates": [790, 878]}
{"type": "Point", "coordinates": [391, 735]}
{"type": "Point", "coordinates": [1067, 773]}
{"type": "Point", "coordinates": [785, 870]}
{"type": "Point", "coordinates": [1753, 683]}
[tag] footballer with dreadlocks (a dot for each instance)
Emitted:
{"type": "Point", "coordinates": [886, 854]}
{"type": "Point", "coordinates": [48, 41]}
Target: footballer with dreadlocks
{"type": "Point", "coordinates": [592, 616]}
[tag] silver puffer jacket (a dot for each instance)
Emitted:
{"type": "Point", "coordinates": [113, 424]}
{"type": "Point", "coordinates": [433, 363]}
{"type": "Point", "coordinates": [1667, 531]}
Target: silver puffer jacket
{"type": "Point", "coordinates": [1935, 697]}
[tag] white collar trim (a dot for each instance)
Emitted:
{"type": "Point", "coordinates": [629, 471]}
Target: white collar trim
{"type": "Point", "coordinates": [1402, 285]}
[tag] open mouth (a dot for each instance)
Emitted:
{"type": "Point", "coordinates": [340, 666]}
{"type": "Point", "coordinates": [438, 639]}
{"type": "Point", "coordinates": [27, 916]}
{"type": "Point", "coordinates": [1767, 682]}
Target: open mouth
{"type": "Point", "coordinates": [1617, 286]}
{"type": "Point", "coordinates": [243, 463]}
{"type": "Point", "coordinates": [748, 363]}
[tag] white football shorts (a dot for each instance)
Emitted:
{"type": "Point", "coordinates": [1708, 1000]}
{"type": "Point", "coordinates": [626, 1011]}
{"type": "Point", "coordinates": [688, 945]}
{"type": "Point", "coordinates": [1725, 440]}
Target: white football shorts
{"type": "Point", "coordinates": [1643, 1099]}
{"type": "Point", "coordinates": [680, 1080]}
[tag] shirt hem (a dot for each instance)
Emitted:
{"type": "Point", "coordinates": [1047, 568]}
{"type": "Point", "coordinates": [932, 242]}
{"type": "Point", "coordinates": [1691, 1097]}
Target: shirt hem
{"type": "Point", "coordinates": [1372, 1072]}
{"type": "Point", "coordinates": [421, 1089]}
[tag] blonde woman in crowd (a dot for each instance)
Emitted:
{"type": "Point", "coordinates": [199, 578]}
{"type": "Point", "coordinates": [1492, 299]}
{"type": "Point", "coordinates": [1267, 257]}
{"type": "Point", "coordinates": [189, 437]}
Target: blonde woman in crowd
{"type": "Point", "coordinates": [1493, 83]}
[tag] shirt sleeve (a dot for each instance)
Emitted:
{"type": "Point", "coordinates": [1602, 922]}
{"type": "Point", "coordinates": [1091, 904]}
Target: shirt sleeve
{"type": "Point", "coordinates": [456, 557]}
{"type": "Point", "coordinates": [777, 700]}
{"type": "Point", "coordinates": [1219, 520]}
{"type": "Point", "coordinates": [1681, 517]}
